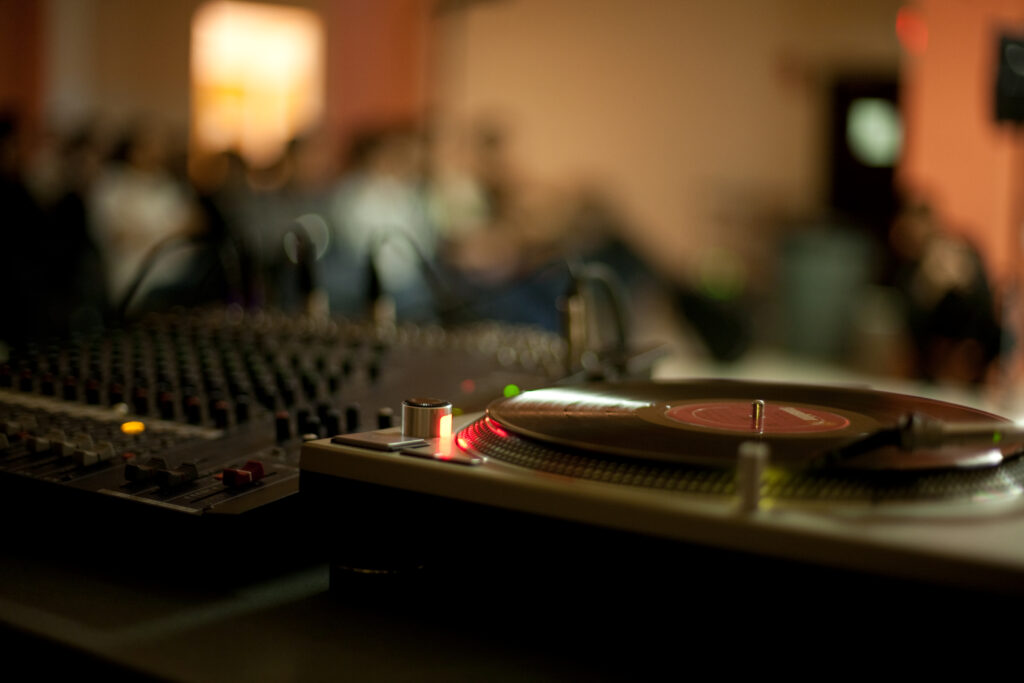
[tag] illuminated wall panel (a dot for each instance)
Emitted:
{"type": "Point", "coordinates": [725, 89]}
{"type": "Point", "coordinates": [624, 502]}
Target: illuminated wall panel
{"type": "Point", "coordinates": [257, 77]}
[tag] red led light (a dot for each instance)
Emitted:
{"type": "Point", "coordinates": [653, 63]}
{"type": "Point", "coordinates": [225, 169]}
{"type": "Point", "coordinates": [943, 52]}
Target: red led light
{"type": "Point", "coordinates": [468, 386]}
{"type": "Point", "coordinates": [496, 428]}
{"type": "Point", "coordinates": [462, 443]}
{"type": "Point", "coordinates": [912, 30]}
{"type": "Point", "coordinates": [444, 426]}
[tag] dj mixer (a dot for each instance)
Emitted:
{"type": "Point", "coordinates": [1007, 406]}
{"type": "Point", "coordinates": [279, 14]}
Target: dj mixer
{"type": "Point", "coordinates": [200, 414]}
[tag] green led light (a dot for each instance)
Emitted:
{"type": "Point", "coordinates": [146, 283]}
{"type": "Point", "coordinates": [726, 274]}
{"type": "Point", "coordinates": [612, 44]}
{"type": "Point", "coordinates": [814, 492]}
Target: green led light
{"type": "Point", "coordinates": [997, 437]}
{"type": "Point", "coordinates": [511, 390]}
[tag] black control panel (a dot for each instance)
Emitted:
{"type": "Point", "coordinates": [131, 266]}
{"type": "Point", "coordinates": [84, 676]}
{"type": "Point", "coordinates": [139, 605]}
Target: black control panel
{"type": "Point", "coordinates": [202, 413]}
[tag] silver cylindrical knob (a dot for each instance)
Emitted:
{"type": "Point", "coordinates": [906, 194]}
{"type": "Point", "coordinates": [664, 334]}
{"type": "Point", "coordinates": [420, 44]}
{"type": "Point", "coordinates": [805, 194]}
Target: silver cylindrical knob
{"type": "Point", "coordinates": [426, 418]}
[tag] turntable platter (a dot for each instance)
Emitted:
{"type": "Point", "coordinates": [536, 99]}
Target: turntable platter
{"type": "Point", "coordinates": [703, 422]}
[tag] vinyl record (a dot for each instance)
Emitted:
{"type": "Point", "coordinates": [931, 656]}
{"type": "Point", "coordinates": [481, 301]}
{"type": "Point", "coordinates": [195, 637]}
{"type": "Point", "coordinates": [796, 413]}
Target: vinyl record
{"type": "Point", "coordinates": [703, 422]}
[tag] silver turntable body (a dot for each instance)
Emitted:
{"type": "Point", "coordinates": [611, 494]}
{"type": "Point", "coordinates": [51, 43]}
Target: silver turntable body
{"type": "Point", "coordinates": [944, 529]}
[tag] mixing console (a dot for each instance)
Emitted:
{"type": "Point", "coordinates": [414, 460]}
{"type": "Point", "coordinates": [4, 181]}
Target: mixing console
{"type": "Point", "coordinates": [203, 412]}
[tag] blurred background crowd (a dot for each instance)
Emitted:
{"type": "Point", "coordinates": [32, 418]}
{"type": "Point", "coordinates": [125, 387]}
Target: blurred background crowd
{"type": "Point", "coordinates": [122, 221]}
{"type": "Point", "coordinates": [843, 182]}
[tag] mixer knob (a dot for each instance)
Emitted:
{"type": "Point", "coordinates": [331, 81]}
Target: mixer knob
{"type": "Point", "coordinates": [116, 392]}
{"type": "Point", "coordinates": [313, 429]}
{"type": "Point", "coordinates": [321, 411]}
{"type": "Point", "coordinates": [265, 394]}
{"type": "Point", "coordinates": [140, 400]}
{"type": "Point", "coordinates": [70, 392]}
{"type": "Point", "coordinates": [220, 411]}
{"type": "Point", "coordinates": [242, 409]}
{"type": "Point", "coordinates": [426, 418]}
{"type": "Point", "coordinates": [352, 418]}
{"type": "Point", "coordinates": [288, 392]}
{"type": "Point", "coordinates": [302, 420]}
{"type": "Point", "coordinates": [92, 391]}
{"type": "Point", "coordinates": [385, 418]}
{"type": "Point", "coordinates": [193, 409]}
{"type": "Point", "coordinates": [166, 402]}
{"type": "Point", "coordinates": [309, 385]}
{"type": "Point", "coordinates": [332, 422]}
{"type": "Point", "coordinates": [282, 425]}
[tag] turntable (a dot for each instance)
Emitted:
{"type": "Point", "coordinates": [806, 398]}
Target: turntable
{"type": "Point", "coordinates": [822, 478]}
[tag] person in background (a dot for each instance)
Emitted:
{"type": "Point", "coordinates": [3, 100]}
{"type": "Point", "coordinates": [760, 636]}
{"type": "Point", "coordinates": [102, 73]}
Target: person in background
{"type": "Point", "coordinates": [78, 295]}
{"type": "Point", "coordinates": [949, 304]}
{"type": "Point", "coordinates": [383, 237]}
{"type": "Point", "coordinates": [137, 209]}
{"type": "Point", "coordinates": [223, 200]}
{"type": "Point", "coordinates": [22, 241]}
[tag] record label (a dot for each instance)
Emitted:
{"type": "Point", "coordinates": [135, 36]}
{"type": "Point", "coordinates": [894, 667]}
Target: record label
{"type": "Point", "coordinates": [738, 416]}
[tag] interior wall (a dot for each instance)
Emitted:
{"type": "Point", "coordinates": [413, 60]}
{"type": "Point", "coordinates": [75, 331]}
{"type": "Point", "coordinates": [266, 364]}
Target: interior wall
{"type": "Point", "coordinates": [122, 58]}
{"type": "Point", "coordinates": [21, 56]}
{"type": "Point", "coordinates": [376, 61]}
{"type": "Point", "coordinates": [704, 120]}
{"type": "Point", "coordinates": [967, 165]}
{"type": "Point", "coordinates": [119, 59]}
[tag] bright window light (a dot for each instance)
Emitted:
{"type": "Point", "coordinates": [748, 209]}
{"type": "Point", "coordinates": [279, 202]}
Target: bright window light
{"type": "Point", "coordinates": [257, 77]}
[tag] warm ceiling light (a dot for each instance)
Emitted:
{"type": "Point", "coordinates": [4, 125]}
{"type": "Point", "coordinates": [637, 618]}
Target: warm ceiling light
{"type": "Point", "coordinates": [257, 77]}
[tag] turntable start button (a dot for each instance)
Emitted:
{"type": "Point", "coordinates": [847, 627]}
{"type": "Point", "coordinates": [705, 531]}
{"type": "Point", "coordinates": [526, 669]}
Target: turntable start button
{"type": "Point", "coordinates": [427, 418]}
